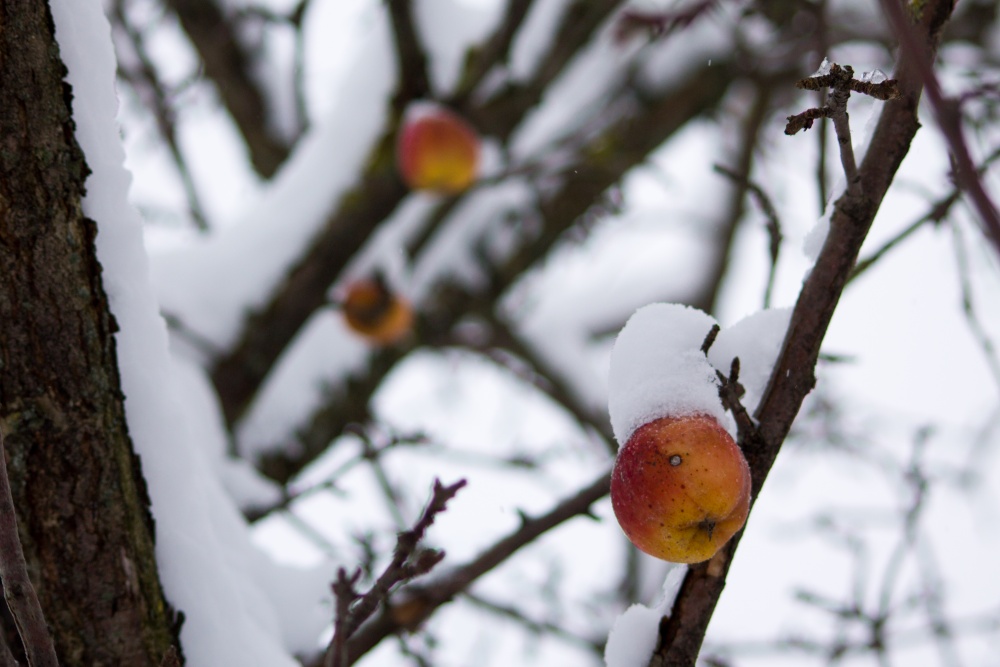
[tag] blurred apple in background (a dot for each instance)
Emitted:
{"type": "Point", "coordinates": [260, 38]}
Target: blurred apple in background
{"type": "Point", "coordinates": [437, 150]}
{"type": "Point", "coordinates": [680, 488]}
{"type": "Point", "coordinates": [376, 313]}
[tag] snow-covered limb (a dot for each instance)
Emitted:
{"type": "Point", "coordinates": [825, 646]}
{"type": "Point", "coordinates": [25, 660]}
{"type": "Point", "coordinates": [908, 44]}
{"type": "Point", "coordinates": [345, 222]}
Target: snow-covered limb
{"type": "Point", "coordinates": [636, 133]}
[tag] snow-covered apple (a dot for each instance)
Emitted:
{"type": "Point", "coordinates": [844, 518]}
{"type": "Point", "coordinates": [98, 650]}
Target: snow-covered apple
{"type": "Point", "coordinates": [680, 488]}
{"type": "Point", "coordinates": [437, 150]}
{"type": "Point", "coordinates": [376, 313]}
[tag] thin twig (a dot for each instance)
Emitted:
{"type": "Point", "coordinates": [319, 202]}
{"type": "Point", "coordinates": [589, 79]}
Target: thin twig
{"type": "Point", "coordinates": [938, 211]}
{"type": "Point", "coordinates": [422, 601]}
{"type": "Point", "coordinates": [842, 82]}
{"type": "Point", "coordinates": [544, 628]}
{"type": "Point", "coordinates": [773, 224]}
{"type": "Point", "coordinates": [159, 105]}
{"type": "Point", "coordinates": [408, 561]}
{"type": "Point", "coordinates": [946, 112]}
{"type": "Point", "coordinates": [18, 591]}
{"type": "Point", "coordinates": [969, 309]}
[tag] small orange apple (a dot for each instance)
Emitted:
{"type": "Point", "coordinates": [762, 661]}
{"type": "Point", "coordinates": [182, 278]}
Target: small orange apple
{"type": "Point", "coordinates": [680, 488]}
{"type": "Point", "coordinates": [372, 310]}
{"type": "Point", "coordinates": [437, 150]}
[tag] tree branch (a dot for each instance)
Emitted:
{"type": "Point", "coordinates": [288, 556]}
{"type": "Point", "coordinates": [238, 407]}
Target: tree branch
{"type": "Point", "coordinates": [227, 64]}
{"type": "Point", "coordinates": [635, 136]}
{"type": "Point", "coordinates": [408, 561]}
{"type": "Point", "coordinates": [146, 77]}
{"type": "Point", "coordinates": [238, 375]}
{"type": "Point", "coordinates": [793, 377]}
{"type": "Point", "coordinates": [496, 50]}
{"type": "Point", "coordinates": [949, 119]}
{"type": "Point", "coordinates": [421, 602]}
{"type": "Point", "coordinates": [411, 57]}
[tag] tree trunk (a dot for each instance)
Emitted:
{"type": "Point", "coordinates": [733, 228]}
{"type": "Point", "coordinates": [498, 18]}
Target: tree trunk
{"type": "Point", "coordinates": [81, 501]}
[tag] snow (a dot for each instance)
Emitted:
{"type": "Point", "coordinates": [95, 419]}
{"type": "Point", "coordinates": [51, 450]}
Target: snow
{"type": "Point", "coordinates": [874, 76]}
{"type": "Point", "coordinates": [756, 340]}
{"type": "Point", "coordinates": [633, 637]}
{"type": "Point", "coordinates": [823, 70]}
{"type": "Point", "coordinates": [658, 369]}
{"type": "Point", "coordinates": [212, 283]}
{"type": "Point", "coordinates": [635, 632]}
{"type": "Point", "coordinates": [572, 102]}
{"type": "Point", "coordinates": [448, 29]}
{"type": "Point", "coordinates": [813, 242]}
{"type": "Point", "coordinates": [208, 566]}
{"type": "Point", "coordinates": [531, 40]}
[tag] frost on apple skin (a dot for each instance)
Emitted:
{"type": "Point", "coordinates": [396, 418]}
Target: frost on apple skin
{"type": "Point", "coordinates": [680, 488]}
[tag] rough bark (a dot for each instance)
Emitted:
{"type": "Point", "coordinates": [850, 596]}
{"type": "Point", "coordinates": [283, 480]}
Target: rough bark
{"type": "Point", "coordinates": [82, 503]}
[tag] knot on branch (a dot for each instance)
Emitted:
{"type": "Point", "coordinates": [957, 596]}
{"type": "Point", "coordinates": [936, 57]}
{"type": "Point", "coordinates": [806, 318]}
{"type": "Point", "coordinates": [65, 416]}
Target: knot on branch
{"type": "Point", "coordinates": [839, 79]}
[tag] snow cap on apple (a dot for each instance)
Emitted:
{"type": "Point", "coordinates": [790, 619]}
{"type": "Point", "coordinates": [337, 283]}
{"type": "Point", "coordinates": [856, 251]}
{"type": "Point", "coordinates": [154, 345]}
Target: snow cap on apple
{"type": "Point", "coordinates": [658, 369]}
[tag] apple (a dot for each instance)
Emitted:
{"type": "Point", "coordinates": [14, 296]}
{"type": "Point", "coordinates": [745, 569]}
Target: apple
{"type": "Point", "coordinates": [437, 150]}
{"type": "Point", "coordinates": [377, 314]}
{"type": "Point", "coordinates": [680, 488]}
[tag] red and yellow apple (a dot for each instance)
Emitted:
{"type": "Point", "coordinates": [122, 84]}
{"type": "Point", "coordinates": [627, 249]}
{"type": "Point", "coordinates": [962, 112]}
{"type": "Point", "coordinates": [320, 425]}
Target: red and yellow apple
{"type": "Point", "coordinates": [377, 314]}
{"type": "Point", "coordinates": [680, 488]}
{"type": "Point", "coordinates": [437, 150]}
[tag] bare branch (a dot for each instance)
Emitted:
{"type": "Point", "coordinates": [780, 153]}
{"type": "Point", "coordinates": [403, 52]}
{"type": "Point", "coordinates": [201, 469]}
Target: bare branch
{"type": "Point", "coordinates": [536, 627]}
{"type": "Point", "coordinates": [494, 51]}
{"type": "Point", "coordinates": [415, 604]}
{"type": "Point", "coordinates": [841, 81]}
{"type": "Point", "coordinates": [659, 24]}
{"type": "Point", "coordinates": [145, 77]}
{"type": "Point", "coordinates": [411, 57]}
{"type": "Point", "coordinates": [635, 135]}
{"type": "Point", "coordinates": [408, 562]}
{"type": "Point", "coordinates": [17, 588]}
{"type": "Point", "coordinates": [773, 224]}
{"type": "Point", "coordinates": [946, 112]}
{"type": "Point", "coordinates": [227, 64]}
{"type": "Point", "coordinates": [754, 122]}
{"type": "Point", "coordinates": [979, 332]}
{"type": "Point", "coordinates": [938, 211]}
{"type": "Point", "coordinates": [681, 635]}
